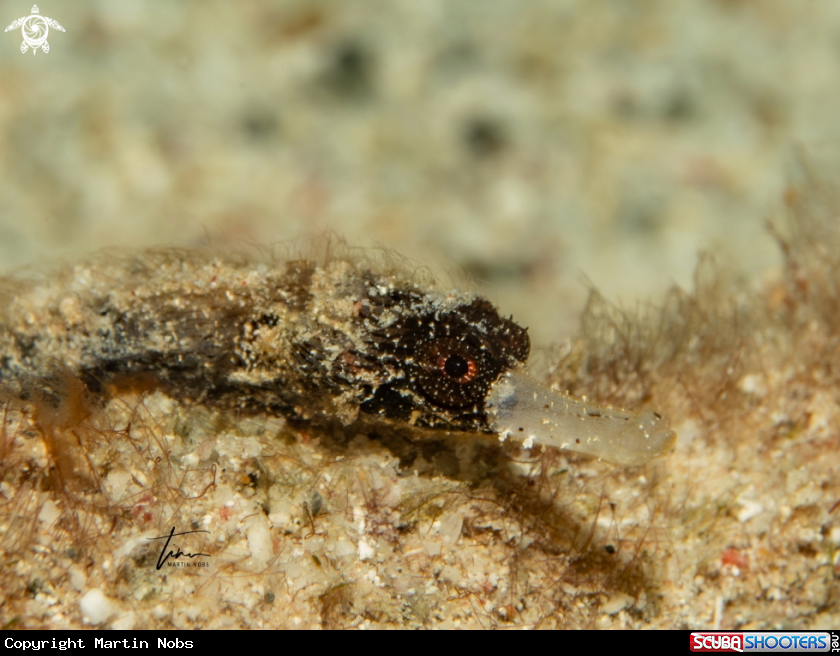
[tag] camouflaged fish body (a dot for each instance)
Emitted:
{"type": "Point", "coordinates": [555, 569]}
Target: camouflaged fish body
{"type": "Point", "coordinates": [305, 339]}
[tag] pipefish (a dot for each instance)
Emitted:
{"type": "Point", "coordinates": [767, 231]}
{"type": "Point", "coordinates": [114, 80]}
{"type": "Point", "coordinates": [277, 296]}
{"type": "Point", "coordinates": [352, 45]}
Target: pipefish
{"type": "Point", "coordinates": [313, 340]}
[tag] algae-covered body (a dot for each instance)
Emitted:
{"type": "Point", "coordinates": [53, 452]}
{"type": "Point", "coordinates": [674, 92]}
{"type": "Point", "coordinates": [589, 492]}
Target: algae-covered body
{"type": "Point", "coordinates": [306, 338]}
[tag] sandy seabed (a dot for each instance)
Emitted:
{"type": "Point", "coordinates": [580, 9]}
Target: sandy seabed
{"type": "Point", "coordinates": [521, 147]}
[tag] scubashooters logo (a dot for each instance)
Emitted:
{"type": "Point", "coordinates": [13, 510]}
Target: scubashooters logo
{"type": "Point", "coordinates": [787, 641]}
{"type": "Point", "coordinates": [717, 642]}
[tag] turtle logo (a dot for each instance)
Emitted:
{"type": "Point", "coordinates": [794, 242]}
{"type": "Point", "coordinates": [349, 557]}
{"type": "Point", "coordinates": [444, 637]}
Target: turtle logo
{"type": "Point", "coordinates": [35, 29]}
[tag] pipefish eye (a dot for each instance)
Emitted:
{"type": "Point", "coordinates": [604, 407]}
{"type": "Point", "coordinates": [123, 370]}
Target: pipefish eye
{"type": "Point", "coordinates": [456, 373]}
{"type": "Point", "coordinates": [457, 367]}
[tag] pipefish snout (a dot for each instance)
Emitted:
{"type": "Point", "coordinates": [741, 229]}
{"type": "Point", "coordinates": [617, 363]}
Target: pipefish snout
{"type": "Point", "coordinates": [310, 340]}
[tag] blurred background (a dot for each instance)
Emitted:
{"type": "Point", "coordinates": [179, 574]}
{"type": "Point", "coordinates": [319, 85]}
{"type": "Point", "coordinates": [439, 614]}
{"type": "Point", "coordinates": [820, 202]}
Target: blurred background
{"type": "Point", "coordinates": [527, 144]}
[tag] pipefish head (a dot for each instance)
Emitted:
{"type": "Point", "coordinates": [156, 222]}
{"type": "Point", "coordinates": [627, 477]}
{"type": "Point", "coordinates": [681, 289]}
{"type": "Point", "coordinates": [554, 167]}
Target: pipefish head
{"type": "Point", "coordinates": [436, 360]}
{"type": "Point", "coordinates": [456, 366]}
